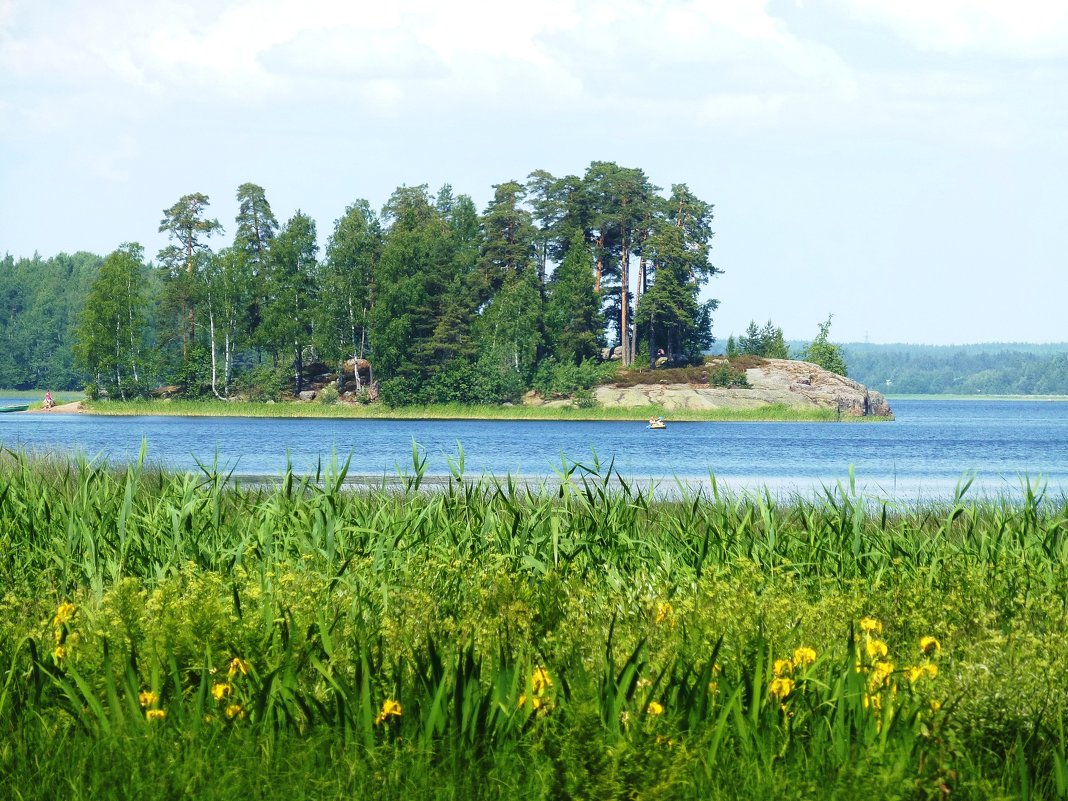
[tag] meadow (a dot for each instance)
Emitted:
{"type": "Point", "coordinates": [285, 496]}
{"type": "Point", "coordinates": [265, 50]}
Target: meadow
{"type": "Point", "coordinates": [177, 636]}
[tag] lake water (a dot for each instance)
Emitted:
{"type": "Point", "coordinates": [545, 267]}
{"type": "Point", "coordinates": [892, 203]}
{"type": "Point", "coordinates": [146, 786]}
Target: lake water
{"type": "Point", "coordinates": [922, 455]}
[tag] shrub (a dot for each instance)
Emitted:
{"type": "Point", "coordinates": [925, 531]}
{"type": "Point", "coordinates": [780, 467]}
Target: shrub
{"type": "Point", "coordinates": [562, 379]}
{"type": "Point", "coordinates": [264, 382]}
{"type": "Point", "coordinates": [328, 395]}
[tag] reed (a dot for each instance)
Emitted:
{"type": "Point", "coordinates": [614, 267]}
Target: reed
{"type": "Point", "coordinates": [492, 639]}
{"type": "Point", "coordinates": [217, 408]}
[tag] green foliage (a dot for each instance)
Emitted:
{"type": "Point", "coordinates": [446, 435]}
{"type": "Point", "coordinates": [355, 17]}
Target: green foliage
{"type": "Point", "coordinates": [111, 345]}
{"type": "Point", "coordinates": [494, 640]}
{"type": "Point", "coordinates": [328, 395]}
{"type": "Point", "coordinates": [573, 320]}
{"type": "Point", "coordinates": [990, 369]}
{"type": "Point", "coordinates": [766, 342]}
{"type": "Point", "coordinates": [726, 376]}
{"type": "Point", "coordinates": [264, 382]}
{"type": "Point", "coordinates": [732, 347]}
{"type": "Point", "coordinates": [824, 353]}
{"type": "Point", "coordinates": [41, 303]}
{"type": "Point", "coordinates": [555, 379]}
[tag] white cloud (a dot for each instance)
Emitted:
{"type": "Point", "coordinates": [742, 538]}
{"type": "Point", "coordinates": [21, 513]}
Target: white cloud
{"type": "Point", "coordinates": [1023, 29]}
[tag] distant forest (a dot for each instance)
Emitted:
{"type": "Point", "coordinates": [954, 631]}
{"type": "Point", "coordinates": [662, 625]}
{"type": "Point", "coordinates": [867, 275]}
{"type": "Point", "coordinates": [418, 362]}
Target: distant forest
{"type": "Point", "coordinates": [444, 303]}
{"type": "Point", "coordinates": [985, 369]}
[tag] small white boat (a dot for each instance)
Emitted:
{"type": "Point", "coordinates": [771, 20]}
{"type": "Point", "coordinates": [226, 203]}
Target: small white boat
{"type": "Point", "coordinates": [657, 424]}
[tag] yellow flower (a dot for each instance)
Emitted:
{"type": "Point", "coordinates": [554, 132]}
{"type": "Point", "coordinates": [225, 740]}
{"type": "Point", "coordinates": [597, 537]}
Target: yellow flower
{"type": "Point", "coordinates": [916, 673]}
{"type": "Point", "coordinates": [64, 614]}
{"type": "Point", "coordinates": [804, 656]}
{"type": "Point", "coordinates": [220, 690]}
{"type": "Point", "coordinates": [876, 648]}
{"type": "Point", "coordinates": [781, 687]}
{"type": "Point", "coordinates": [235, 711]}
{"type": "Point", "coordinates": [60, 653]}
{"type": "Point", "coordinates": [390, 708]}
{"type": "Point", "coordinates": [871, 625]}
{"type": "Point", "coordinates": [148, 698]}
{"type": "Point", "coordinates": [655, 708]}
{"type": "Point", "coordinates": [540, 680]}
{"type": "Point", "coordinates": [930, 644]}
{"type": "Point", "coordinates": [935, 704]}
{"type": "Point", "coordinates": [880, 675]}
{"type": "Point", "coordinates": [873, 701]}
{"type": "Point", "coordinates": [663, 612]}
{"type": "Point", "coordinates": [238, 665]}
{"type": "Point", "coordinates": [155, 714]}
{"type": "Point", "coordinates": [782, 667]}
{"type": "Point", "coordinates": [535, 701]}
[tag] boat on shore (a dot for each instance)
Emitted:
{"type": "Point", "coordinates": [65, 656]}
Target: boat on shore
{"type": "Point", "coordinates": [17, 408]}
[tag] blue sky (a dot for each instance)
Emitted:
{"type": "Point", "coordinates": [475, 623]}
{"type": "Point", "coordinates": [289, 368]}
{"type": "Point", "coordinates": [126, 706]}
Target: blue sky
{"type": "Point", "coordinates": [902, 165]}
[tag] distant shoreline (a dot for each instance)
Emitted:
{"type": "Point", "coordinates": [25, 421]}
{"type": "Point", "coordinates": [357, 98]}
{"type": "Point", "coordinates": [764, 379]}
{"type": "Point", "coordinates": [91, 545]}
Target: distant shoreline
{"type": "Point", "coordinates": [913, 396]}
{"type": "Point", "coordinates": [296, 409]}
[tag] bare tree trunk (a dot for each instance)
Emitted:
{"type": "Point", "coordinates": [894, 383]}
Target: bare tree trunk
{"type": "Point", "coordinates": [600, 263]}
{"type": "Point", "coordinates": [214, 357]}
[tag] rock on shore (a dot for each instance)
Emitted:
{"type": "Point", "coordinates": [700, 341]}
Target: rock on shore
{"type": "Point", "coordinates": [778, 381]}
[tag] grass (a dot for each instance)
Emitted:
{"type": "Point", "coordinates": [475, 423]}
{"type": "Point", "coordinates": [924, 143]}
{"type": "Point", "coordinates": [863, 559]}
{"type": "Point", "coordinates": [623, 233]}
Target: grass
{"type": "Point", "coordinates": [168, 636]}
{"type": "Point", "coordinates": [217, 408]}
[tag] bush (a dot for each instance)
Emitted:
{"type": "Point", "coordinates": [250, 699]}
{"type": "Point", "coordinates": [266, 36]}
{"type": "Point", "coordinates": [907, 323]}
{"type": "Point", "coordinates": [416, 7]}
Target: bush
{"type": "Point", "coordinates": [724, 376]}
{"type": "Point", "coordinates": [328, 395]}
{"type": "Point", "coordinates": [264, 382]}
{"type": "Point", "coordinates": [563, 379]}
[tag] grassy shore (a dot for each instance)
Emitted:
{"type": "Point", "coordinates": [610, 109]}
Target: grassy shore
{"type": "Point", "coordinates": [167, 636]}
{"type": "Point", "coordinates": [217, 408]}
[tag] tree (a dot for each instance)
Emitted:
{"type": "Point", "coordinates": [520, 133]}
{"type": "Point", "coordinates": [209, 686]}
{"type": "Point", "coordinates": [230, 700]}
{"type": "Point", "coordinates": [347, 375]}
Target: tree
{"type": "Point", "coordinates": [227, 293]}
{"type": "Point", "coordinates": [256, 227]}
{"type": "Point", "coordinates": [507, 237]}
{"type": "Point", "coordinates": [424, 302]}
{"type": "Point", "coordinates": [183, 259]}
{"type": "Point", "coordinates": [674, 266]}
{"type": "Point", "coordinates": [620, 201]}
{"type": "Point", "coordinates": [824, 353]}
{"type": "Point", "coordinates": [509, 330]}
{"type": "Point", "coordinates": [573, 321]}
{"type": "Point", "coordinates": [346, 280]}
{"type": "Point", "coordinates": [292, 292]}
{"type": "Point", "coordinates": [110, 337]}
{"type": "Point", "coordinates": [766, 342]}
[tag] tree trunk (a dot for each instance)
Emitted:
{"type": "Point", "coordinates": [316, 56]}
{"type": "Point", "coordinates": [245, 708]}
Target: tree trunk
{"type": "Point", "coordinates": [600, 263]}
{"type": "Point", "coordinates": [624, 326]}
{"type": "Point", "coordinates": [214, 358]}
{"type": "Point", "coordinates": [298, 367]}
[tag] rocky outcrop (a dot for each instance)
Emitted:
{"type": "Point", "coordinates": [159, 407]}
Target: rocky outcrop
{"type": "Point", "coordinates": [777, 381]}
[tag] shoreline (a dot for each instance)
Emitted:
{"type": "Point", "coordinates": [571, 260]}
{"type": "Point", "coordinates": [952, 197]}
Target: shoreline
{"type": "Point", "coordinates": [771, 413]}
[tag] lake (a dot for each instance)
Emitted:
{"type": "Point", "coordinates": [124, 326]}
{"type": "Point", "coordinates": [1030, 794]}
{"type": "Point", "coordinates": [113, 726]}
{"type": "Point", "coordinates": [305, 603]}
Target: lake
{"type": "Point", "coordinates": [921, 455]}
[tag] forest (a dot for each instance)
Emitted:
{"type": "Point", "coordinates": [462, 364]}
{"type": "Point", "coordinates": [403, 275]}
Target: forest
{"type": "Point", "coordinates": [441, 303]}
{"type": "Point", "coordinates": [982, 369]}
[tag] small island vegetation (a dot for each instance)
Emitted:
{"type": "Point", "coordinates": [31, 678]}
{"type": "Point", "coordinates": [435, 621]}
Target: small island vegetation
{"type": "Point", "coordinates": [559, 285]}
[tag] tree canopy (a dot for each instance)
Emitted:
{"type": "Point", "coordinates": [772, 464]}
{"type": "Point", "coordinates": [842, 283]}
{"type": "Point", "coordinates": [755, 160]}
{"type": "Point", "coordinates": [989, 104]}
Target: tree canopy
{"type": "Point", "coordinates": [444, 301]}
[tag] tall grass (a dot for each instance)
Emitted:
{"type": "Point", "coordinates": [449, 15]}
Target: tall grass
{"type": "Point", "coordinates": [168, 635]}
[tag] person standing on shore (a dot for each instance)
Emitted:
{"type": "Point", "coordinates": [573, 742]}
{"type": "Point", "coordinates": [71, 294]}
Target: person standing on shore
{"type": "Point", "coordinates": [48, 402]}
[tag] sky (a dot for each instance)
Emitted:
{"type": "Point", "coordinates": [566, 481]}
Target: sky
{"type": "Point", "coordinates": [900, 164]}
